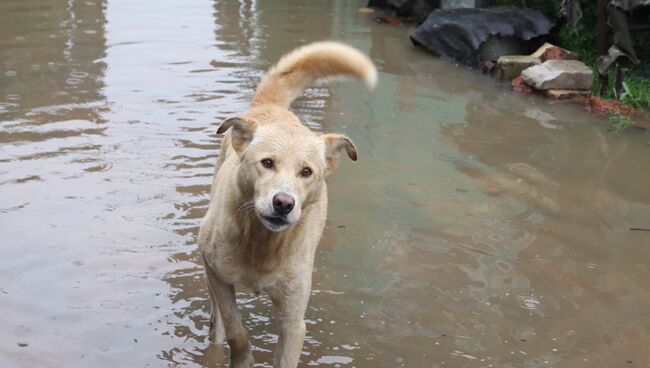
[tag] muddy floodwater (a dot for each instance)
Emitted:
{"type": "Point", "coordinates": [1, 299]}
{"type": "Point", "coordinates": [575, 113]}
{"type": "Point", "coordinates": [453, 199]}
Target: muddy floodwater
{"type": "Point", "coordinates": [478, 228]}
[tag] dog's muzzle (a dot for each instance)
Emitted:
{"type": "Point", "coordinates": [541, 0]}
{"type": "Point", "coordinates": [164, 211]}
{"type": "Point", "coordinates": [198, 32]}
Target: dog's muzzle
{"type": "Point", "coordinates": [283, 205]}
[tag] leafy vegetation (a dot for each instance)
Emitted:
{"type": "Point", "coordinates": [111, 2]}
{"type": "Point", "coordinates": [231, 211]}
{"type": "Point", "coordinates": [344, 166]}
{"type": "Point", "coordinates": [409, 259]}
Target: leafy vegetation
{"type": "Point", "coordinates": [636, 88]}
{"type": "Point", "coordinates": [620, 122]}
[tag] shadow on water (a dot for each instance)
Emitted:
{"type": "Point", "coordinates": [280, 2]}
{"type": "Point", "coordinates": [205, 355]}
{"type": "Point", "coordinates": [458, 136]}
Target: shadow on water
{"type": "Point", "coordinates": [479, 228]}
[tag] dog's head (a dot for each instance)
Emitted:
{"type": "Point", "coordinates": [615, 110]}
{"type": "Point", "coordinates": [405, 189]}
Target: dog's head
{"type": "Point", "coordinates": [283, 166]}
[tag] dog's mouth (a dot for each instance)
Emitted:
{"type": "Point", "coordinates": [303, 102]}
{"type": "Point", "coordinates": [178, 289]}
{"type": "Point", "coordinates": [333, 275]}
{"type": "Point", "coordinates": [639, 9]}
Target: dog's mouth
{"type": "Point", "coordinates": [274, 223]}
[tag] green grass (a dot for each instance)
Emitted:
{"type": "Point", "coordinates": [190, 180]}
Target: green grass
{"type": "Point", "coordinates": [636, 89]}
{"type": "Point", "coordinates": [636, 93]}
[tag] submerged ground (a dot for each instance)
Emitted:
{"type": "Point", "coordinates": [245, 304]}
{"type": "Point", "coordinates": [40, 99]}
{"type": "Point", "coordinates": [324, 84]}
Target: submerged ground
{"type": "Point", "coordinates": [478, 228]}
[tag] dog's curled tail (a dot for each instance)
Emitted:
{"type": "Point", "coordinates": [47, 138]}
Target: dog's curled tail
{"type": "Point", "coordinates": [303, 66]}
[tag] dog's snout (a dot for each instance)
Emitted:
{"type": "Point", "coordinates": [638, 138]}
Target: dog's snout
{"type": "Point", "coordinates": [283, 203]}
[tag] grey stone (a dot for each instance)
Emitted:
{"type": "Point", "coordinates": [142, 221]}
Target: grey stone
{"type": "Point", "coordinates": [510, 67]}
{"type": "Point", "coordinates": [568, 55]}
{"type": "Point", "coordinates": [566, 94]}
{"type": "Point", "coordinates": [456, 4]}
{"type": "Point", "coordinates": [540, 51]}
{"type": "Point", "coordinates": [559, 74]}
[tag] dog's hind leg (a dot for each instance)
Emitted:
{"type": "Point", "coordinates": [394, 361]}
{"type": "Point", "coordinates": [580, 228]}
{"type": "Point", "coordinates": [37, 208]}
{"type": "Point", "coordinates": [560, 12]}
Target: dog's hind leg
{"type": "Point", "coordinates": [222, 297]}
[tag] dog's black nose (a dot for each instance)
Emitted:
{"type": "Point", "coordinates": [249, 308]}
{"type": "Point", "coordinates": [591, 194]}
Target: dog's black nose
{"type": "Point", "coordinates": [283, 204]}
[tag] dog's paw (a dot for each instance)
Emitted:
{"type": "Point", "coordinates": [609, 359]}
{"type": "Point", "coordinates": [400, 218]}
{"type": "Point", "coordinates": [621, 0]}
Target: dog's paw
{"type": "Point", "coordinates": [241, 356]}
{"type": "Point", "coordinates": [242, 360]}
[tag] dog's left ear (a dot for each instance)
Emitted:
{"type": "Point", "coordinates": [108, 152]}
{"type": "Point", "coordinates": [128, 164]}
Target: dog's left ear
{"type": "Point", "coordinates": [242, 132]}
{"type": "Point", "coordinates": [334, 144]}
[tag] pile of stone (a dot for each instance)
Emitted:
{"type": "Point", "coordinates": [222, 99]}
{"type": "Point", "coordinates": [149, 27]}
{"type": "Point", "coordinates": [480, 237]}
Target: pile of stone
{"type": "Point", "coordinates": [551, 70]}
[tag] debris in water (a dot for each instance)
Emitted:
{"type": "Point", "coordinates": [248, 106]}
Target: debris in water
{"type": "Point", "coordinates": [388, 19]}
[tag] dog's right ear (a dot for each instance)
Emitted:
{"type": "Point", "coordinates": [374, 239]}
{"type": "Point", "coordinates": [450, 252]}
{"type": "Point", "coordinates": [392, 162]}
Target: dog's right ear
{"type": "Point", "coordinates": [242, 132]}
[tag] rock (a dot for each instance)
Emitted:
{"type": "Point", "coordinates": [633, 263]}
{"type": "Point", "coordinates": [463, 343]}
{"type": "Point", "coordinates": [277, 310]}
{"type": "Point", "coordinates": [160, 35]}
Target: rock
{"type": "Point", "coordinates": [510, 67]}
{"type": "Point", "coordinates": [567, 94]}
{"type": "Point", "coordinates": [559, 74]}
{"type": "Point", "coordinates": [487, 66]}
{"type": "Point", "coordinates": [599, 105]}
{"type": "Point", "coordinates": [457, 4]}
{"type": "Point", "coordinates": [558, 52]}
{"type": "Point", "coordinates": [520, 86]}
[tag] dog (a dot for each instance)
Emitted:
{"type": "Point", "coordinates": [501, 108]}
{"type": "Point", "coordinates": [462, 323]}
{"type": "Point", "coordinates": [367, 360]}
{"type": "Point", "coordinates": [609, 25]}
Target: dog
{"type": "Point", "coordinates": [268, 201]}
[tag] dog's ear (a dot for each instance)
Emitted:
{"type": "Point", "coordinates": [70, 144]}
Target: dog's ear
{"type": "Point", "coordinates": [242, 132]}
{"type": "Point", "coordinates": [334, 144]}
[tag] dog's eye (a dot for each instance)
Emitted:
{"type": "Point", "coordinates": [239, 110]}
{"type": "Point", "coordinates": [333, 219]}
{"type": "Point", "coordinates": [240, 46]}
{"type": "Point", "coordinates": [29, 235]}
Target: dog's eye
{"type": "Point", "coordinates": [306, 172]}
{"type": "Point", "coordinates": [268, 163]}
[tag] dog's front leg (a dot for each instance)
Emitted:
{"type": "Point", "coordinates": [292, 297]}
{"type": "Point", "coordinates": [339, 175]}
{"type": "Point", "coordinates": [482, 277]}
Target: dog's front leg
{"type": "Point", "coordinates": [290, 304]}
{"type": "Point", "coordinates": [224, 295]}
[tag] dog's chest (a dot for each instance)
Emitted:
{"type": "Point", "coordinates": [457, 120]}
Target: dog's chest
{"type": "Point", "coordinates": [253, 271]}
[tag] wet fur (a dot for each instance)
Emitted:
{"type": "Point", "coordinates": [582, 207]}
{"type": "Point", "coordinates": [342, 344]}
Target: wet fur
{"type": "Point", "coordinates": [237, 248]}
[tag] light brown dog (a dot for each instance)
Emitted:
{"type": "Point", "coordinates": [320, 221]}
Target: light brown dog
{"type": "Point", "coordinates": [269, 200]}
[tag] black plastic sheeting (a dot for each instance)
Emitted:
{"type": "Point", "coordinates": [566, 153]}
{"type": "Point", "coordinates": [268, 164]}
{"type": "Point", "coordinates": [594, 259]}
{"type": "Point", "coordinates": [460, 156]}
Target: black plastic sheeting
{"type": "Point", "coordinates": [459, 33]}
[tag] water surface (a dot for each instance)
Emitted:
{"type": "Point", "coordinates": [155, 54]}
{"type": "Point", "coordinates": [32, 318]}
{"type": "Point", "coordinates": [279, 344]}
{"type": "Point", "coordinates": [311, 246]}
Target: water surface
{"type": "Point", "coordinates": [478, 229]}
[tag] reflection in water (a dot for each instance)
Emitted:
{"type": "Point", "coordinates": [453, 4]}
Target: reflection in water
{"type": "Point", "coordinates": [50, 82]}
{"type": "Point", "coordinates": [479, 228]}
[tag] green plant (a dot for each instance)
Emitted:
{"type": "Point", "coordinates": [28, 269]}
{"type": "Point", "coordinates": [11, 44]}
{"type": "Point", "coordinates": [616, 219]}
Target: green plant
{"type": "Point", "coordinates": [582, 41]}
{"type": "Point", "coordinates": [636, 92]}
{"type": "Point", "coordinates": [620, 122]}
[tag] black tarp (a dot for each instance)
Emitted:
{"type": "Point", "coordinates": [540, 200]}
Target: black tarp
{"type": "Point", "coordinates": [459, 33]}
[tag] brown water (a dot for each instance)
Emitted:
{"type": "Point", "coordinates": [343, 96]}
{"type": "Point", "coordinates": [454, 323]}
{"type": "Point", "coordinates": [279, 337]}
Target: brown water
{"type": "Point", "coordinates": [478, 228]}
